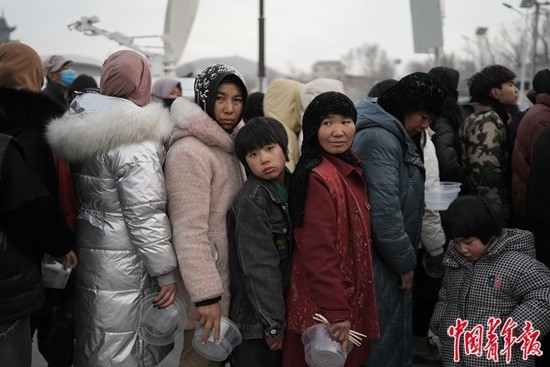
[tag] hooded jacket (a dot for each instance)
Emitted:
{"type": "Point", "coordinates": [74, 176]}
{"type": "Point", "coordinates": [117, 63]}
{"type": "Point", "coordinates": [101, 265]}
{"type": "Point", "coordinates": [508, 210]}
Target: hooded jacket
{"type": "Point", "coordinates": [394, 176]}
{"type": "Point", "coordinates": [24, 115]}
{"type": "Point", "coordinates": [282, 102]}
{"type": "Point", "coordinates": [28, 227]}
{"type": "Point", "coordinates": [506, 282]}
{"type": "Point", "coordinates": [29, 222]}
{"type": "Point", "coordinates": [203, 175]}
{"type": "Point", "coordinates": [123, 233]}
{"type": "Point", "coordinates": [447, 146]}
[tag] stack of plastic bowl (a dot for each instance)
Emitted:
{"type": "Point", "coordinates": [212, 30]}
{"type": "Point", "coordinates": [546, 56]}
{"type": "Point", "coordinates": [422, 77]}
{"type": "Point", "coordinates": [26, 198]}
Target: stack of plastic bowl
{"type": "Point", "coordinates": [440, 196]}
{"type": "Point", "coordinates": [160, 326]}
{"type": "Point", "coordinates": [321, 350]}
{"type": "Point", "coordinates": [230, 337]}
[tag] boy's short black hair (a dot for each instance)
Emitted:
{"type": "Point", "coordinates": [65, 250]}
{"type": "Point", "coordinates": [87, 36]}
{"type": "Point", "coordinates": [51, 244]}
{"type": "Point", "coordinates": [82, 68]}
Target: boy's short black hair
{"type": "Point", "coordinates": [473, 216]}
{"type": "Point", "coordinates": [257, 133]}
{"type": "Point", "coordinates": [492, 76]}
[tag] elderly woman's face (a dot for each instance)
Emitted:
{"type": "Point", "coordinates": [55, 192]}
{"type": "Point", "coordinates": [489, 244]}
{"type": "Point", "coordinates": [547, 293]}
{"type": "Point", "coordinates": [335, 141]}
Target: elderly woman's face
{"type": "Point", "coordinates": [416, 122]}
{"type": "Point", "coordinates": [336, 134]}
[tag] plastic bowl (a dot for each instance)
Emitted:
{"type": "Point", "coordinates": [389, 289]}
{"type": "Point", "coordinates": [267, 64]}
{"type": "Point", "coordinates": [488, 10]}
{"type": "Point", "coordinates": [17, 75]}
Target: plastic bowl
{"type": "Point", "coordinates": [230, 337]}
{"type": "Point", "coordinates": [440, 196]}
{"type": "Point", "coordinates": [432, 269]}
{"type": "Point", "coordinates": [321, 350]}
{"type": "Point", "coordinates": [160, 326]}
{"type": "Point", "coordinates": [53, 274]}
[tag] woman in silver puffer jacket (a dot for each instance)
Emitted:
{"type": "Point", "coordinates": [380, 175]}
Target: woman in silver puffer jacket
{"type": "Point", "coordinates": [114, 141]}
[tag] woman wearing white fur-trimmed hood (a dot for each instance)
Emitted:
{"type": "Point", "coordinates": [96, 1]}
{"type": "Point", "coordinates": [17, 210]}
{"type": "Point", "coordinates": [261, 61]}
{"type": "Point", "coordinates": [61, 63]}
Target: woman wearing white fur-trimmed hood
{"type": "Point", "coordinates": [114, 141]}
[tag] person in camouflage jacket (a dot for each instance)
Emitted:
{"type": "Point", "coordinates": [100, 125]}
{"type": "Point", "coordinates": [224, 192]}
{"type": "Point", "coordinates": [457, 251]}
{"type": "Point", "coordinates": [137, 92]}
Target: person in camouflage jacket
{"type": "Point", "coordinates": [485, 154]}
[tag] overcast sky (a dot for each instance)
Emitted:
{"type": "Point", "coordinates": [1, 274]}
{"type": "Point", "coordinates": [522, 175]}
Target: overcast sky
{"type": "Point", "coordinates": [298, 32]}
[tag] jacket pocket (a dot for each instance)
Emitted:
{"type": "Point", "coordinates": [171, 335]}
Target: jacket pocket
{"type": "Point", "coordinates": [281, 238]}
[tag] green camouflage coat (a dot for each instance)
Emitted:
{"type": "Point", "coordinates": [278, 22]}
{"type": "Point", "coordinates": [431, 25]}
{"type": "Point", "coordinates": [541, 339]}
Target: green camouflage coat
{"type": "Point", "coordinates": [485, 156]}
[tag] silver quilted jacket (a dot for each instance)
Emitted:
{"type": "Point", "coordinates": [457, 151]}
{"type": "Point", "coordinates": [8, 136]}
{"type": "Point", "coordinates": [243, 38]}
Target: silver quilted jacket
{"type": "Point", "coordinates": [123, 233]}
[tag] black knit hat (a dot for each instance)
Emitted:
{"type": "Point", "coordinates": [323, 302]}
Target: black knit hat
{"type": "Point", "coordinates": [379, 88]}
{"type": "Point", "coordinates": [541, 81]}
{"type": "Point", "coordinates": [320, 107]}
{"type": "Point", "coordinates": [208, 81]}
{"type": "Point", "coordinates": [415, 92]}
{"type": "Point", "coordinates": [324, 104]}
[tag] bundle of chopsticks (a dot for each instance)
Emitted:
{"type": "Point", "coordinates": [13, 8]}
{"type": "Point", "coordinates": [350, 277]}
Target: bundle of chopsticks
{"type": "Point", "coordinates": [353, 336]}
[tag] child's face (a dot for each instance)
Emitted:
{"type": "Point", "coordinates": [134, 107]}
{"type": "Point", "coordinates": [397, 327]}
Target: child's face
{"type": "Point", "coordinates": [336, 134]}
{"type": "Point", "coordinates": [471, 248]}
{"type": "Point", "coordinates": [268, 163]}
{"type": "Point", "coordinates": [228, 107]}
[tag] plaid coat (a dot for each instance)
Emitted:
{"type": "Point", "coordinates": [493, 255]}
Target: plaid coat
{"type": "Point", "coordinates": [506, 282]}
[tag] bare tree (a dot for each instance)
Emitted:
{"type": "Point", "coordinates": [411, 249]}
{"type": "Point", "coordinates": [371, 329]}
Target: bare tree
{"type": "Point", "coordinates": [371, 60]}
{"type": "Point", "coordinates": [507, 47]}
{"type": "Point", "coordinates": [545, 33]}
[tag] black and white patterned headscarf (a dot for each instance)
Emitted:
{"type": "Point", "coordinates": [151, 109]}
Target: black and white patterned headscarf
{"type": "Point", "coordinates": [208, 81]}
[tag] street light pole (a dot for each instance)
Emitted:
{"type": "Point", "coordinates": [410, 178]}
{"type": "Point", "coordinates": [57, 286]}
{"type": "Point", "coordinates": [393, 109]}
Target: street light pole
{"type": "Point", "coordinates": [535, 39]}
{"type": "Point", "coordinates": [537, 4]}
{"type": "Point", "coordinates": [523, 62]}
{"type": "Point", "coordinates": [261, 56]}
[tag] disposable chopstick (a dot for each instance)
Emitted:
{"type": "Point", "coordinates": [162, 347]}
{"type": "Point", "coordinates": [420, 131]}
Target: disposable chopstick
{"type": "Point", "coordinates": [353, 336]}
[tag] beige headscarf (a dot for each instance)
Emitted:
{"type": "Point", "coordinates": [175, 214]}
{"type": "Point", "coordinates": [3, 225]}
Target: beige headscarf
{"type": "Point", "coordinates": [126, 75]}
{"type": "Point", "coordinates": [20, 67]}
{"type": "Point", "coordinates": [282, 102]}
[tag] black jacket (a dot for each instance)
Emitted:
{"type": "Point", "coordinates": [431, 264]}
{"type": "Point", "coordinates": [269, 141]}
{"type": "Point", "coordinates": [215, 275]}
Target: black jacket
{"type": "Point", "coordinates": [55, 94]}
{"type": "Point", "coordinates": [24, 116]}
{"type": "Point", "coordinates": [260, 248]}
{"type": "Point", "coordinates": [28, 227]}
{"type": "Point", "coordinates": [448, 151]}
{"type": "Point", "coordinates": [538, 197]}
{"type": "Point", "coordinates": [447, 143]}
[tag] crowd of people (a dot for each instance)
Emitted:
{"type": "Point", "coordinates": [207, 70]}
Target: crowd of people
{"type": "Point", "coordinates": [271, 209]}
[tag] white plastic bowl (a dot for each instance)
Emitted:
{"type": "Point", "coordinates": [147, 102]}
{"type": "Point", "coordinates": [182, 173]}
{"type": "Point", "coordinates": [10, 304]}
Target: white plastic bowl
{"type": "Point", "coordinates": [321, 350]}
{"type": "Point", "coordinates": [161, 326]}
{"type": "Point", "coordinates": [439, 197]}
{"type": "Point", "coordinates": [53, 274]}
{"type": "Point", "coordinates": [230, 337]}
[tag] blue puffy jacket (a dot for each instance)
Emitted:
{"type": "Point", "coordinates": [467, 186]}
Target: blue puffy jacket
{"type": "Point", "coordinates": [394, 175]}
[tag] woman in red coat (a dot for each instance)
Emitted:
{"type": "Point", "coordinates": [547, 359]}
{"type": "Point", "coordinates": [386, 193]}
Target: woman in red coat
{"type": "Point", "coordinates": [332, 270]}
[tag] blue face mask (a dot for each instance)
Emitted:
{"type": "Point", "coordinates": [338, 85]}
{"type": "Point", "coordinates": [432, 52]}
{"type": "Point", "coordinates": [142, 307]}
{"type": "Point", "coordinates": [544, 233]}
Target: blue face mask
{"type": "Point", "coordinates": [67, 77]}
